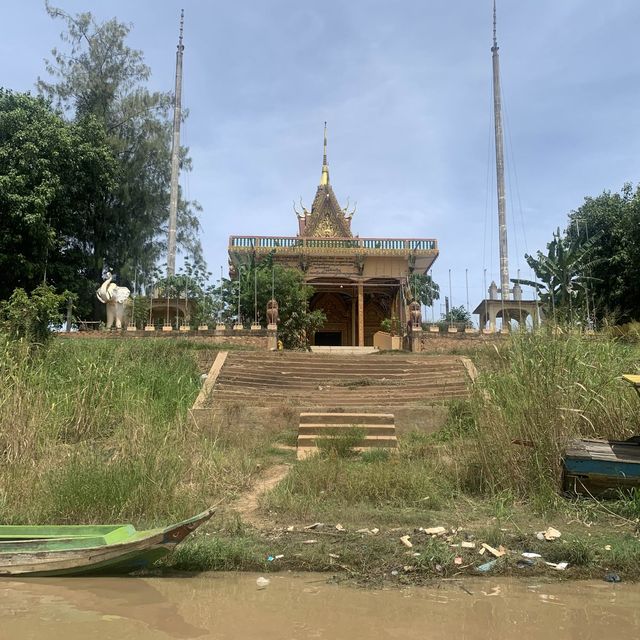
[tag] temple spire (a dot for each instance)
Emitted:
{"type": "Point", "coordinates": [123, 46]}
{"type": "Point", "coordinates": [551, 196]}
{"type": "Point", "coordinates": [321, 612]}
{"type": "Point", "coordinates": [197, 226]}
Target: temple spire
{"type": "Point", "coordinates": [324, 178]}
{"type": "Point", "coordinates": [499, 137]}
{"type": "Point", "coordinates": [175, 157]}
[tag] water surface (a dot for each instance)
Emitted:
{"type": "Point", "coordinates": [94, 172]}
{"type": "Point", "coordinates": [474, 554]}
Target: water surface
{"type": "Point", "coordinates": [225, 605]}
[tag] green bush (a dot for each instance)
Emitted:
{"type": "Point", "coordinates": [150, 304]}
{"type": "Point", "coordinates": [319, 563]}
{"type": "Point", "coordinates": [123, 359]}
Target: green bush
{"type": "Point", "coordinates": [32, 316]}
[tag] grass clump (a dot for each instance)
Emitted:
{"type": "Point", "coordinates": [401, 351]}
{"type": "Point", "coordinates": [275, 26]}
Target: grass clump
{"type": "Point", "coordinates": [627, 505]}
{"type": "Point", "coordinates": [340, 442]}
{"type": "Point", "coordinates": [539, 392]}
{"type": "Point", "coordinates": [328, 487]}
{"type": "Point", "coordinates": [435, 552]}
{"type": "Point", "coordinates": [214, 553]}
{"type": "Point", "coordinates": [97, 431]}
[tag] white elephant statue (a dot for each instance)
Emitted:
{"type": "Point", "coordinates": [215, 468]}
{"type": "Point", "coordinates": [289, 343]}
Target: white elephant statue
{"type": "Point", "coordinates": [115, 298]}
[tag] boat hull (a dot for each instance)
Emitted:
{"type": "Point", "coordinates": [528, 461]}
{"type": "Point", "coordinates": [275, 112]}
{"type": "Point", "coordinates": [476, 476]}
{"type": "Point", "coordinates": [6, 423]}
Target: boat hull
{"type": "Point", "coordinates": [143, 549]}
{"type": "Point", "coordinates": [601, 466]}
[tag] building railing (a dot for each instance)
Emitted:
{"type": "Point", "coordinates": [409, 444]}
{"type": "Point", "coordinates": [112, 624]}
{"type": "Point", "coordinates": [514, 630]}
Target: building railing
{"type": "Point", "coordinates": [367, 244]}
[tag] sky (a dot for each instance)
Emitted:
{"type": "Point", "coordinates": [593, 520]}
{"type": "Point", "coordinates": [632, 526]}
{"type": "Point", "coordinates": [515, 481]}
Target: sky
{"type": "Point", "coordinates": [405, 86]}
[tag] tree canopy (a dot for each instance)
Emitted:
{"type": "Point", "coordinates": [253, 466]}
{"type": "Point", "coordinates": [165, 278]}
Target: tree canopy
{"type": "Point", "coordinates": [613, 221]}
{"type": "Point", "coordinates": [423, 288]}
{"type": "Point", "coordinates": [85, 168]}
{"type": "Point", "coordinates": [255, 283]}
{"type": "Point", "coordinates": [97, 74]}
{"type": "Point", "coordinates": [51, 174]}
{"type": "Point", "coordinates": [457, 315]}
{"type": "Point", "coordinates": [589, 271]}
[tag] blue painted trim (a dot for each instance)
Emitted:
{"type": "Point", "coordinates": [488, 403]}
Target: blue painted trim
{"type": "Point", "coordinates": [603, 467]}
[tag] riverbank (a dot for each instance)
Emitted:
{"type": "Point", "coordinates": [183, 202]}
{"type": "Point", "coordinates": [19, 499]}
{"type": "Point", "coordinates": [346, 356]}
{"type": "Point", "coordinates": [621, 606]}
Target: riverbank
{"type": "Point", "coordinates": [466, 544]}
{"type": "Point", "coordinates": [98, 431]}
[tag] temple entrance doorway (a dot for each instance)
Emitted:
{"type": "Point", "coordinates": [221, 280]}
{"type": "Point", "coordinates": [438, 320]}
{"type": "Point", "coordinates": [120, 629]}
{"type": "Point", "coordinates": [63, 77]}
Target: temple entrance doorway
{"type": "Point", "coordinates": [328, 339]}
{"type": "Point", "coordinates": [337, 330]}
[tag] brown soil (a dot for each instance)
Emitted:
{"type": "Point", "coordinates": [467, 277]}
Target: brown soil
{"type": "Point", "coordinates": [247, 504]}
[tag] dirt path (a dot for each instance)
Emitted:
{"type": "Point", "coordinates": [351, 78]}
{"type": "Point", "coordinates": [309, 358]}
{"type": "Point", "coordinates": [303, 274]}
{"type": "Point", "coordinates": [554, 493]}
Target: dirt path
{"type": "Point", "coordinates": [247, 504]}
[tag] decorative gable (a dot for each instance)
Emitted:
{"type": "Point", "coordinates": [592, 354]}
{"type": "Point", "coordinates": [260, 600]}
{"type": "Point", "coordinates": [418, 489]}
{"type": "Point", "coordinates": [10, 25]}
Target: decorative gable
{"type": "Point", "coordinates": [327, 219]}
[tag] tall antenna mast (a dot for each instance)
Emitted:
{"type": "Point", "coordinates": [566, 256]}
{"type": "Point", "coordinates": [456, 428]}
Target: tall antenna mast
{"type": "Point", "coordinates": [175, 157]}
{"type": "Point", "coordinates": [502, 199]}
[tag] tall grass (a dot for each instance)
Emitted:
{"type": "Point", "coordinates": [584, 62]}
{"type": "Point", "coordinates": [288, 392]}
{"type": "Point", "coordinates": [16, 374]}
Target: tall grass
{"type": "Point", "coordinates": [97, 430]}
{"type": "Point", "coordinates": [534, 394]}
{"type": "Point", "coordinates": [343, 488]}
{"type": "Point", "coordinates": [540, 391]}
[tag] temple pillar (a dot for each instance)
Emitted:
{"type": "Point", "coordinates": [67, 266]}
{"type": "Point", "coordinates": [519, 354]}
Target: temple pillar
{"type": "Point", "coordinates": [492, 320]}
{"type": "Point", "coordinates": [353, 321]}
{"type": "Point", "coordinates": [416, 339]}
{"type": "Point", "coordinates": [360, 314]}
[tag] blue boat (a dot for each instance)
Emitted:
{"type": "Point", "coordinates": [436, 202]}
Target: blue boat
{"type": "Point", "coordinates": [594, 467]}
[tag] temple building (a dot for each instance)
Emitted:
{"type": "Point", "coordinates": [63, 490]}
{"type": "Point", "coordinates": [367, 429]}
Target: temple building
{"type": "Point", "coordinates": [358, 282]}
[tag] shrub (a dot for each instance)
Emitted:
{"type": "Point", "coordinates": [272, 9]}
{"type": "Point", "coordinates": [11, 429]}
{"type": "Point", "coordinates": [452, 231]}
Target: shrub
{"type": "Point", "coordinates": [31, 317]}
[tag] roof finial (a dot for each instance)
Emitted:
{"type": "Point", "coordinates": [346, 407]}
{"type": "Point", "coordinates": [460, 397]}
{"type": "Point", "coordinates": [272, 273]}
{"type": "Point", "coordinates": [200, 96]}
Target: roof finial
{"type": "Point", "coordinates": [324, 179]}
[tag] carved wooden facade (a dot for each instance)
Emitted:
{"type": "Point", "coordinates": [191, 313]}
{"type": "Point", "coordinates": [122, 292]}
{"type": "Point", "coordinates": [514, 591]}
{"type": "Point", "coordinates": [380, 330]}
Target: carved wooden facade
{"type": "Point", "coordinates": [359, 282]}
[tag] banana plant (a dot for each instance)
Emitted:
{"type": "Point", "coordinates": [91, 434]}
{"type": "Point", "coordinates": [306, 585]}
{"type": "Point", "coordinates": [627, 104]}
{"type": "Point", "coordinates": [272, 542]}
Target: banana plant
{"type": "Point", "coordinates": [563, 274]}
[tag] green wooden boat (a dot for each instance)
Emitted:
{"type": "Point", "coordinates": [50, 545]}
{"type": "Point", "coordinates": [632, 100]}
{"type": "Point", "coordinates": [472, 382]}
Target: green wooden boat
{"type": "Point", "coordinates": [83, 549]}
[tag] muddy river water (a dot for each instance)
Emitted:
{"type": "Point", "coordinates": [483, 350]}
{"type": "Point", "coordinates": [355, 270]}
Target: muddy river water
{"type": "Point", "coordinates": [224, 605]}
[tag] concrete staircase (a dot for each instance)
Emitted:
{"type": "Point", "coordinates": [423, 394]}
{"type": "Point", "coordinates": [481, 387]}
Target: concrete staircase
{"type": "Point", "coordinates": [379, 431]}
{"type": "Point", "coordinates": [312, 381]}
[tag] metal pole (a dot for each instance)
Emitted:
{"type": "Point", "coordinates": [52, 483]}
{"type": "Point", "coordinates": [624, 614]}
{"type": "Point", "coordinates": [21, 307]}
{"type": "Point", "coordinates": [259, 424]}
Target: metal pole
{"type": "Point", "coordinates": [593, 299]}
{"type": "Point", "coordinates": [167, 295]}
{"type": "Point", "coordinates": [150, 302]}
{"type": "Point", "coordinates": [177, 305]}
{"type": "Point", "coordinates": [466, 280]}
{"type": "Point", "coordinates": [220, 309]}
{"type": "Point", "coordinates": [519, 305]}
{"type": "Point", "coordinates": [586, 287]}
{"type": "Point", "coordinates": [502, 214]}
{"type": "Point", "coordinates": [433, 302]}
{"type": "Point", "coordinates": [186, 299]}
{"type": "Point", "coordinates": [175, 157]}
{"type": "Point", "coordinates": [205, 315]}
{"type": "Point", "coordinates": [450, 302]}
{"type": "Point", "coordinates": [255, 294]}
{"type": "Point", "coordinates": [239, 287]}
{"type": "Point", "coordinates": [133, 300]}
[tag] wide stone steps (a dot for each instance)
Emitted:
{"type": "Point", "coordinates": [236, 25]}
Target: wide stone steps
{"type": "Point", "coordinates": [341, 385]}
{"type": "Point", "coordinates": [339, 399]}
{"type": "Point", "coordinates": [335, 398]}
{"type": "Point", "coordinates": [372, 364]}
{"type": "Point", "coordinates": [309, 380]}
{"type": "Point", "coordinates": [328, 374]}
{"type": "Point", "coordinates": [321, 430]}
{"type": "Point", "coordinates": [378, 431]}
{"type": "Point", "coordinates": [331, 418]}
{"type": "Point", "coordinates": [369, 441]}
{"type": "Point", "coordinates": [306, 374]}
